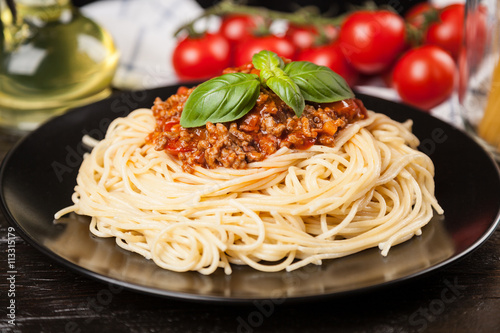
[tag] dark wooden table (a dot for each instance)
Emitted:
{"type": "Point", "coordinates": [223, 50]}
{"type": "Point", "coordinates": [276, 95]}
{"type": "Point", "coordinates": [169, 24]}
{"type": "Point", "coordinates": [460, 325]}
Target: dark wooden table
{"type": "Point", "coordinates": [462, 297]}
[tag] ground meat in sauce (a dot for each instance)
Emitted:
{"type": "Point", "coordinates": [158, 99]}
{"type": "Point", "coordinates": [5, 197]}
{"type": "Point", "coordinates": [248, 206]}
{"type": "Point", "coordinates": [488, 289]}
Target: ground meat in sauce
{"type": "Point", "coordinates": [269, 126]}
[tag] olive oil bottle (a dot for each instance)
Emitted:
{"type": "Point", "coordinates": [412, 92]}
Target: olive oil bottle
{"type": "Point", "coordinates": [52, 58]}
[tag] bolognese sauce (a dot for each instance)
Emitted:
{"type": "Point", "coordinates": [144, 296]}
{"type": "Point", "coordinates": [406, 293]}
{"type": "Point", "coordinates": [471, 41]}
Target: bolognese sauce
{"type": "Point", "coordinates": [269, 126]}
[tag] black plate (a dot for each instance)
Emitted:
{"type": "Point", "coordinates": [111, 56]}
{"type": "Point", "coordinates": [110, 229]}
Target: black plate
{"type": "Point", "coordinates": [37, 179]}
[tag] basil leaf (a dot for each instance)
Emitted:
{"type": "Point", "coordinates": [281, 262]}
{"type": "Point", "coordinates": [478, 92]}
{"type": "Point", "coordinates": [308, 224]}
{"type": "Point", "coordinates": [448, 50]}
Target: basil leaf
{"type": "Point", "coordinates": [267, 62]}
{"type": "Point", "coordinates": [288, 91]}
{"type": "Point", "coordinates": [318, 83]}
{"type": "Point", "coordinates": [225, 98]}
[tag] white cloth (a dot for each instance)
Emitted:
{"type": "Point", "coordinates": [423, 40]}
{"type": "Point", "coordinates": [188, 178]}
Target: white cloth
{"type": "Point", "coordinates": [143, 32]}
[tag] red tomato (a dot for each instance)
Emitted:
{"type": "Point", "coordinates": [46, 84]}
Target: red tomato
{"type": "Point", "coordinates": [447, 32]}
{"type": "Point", "coordinates": [424, 76]}
{"type": "Point", "coordinates": [416, 15]}
{"type": "Point", "coordinates": [279, 45]}
{"type": "Point", "coordinates": [331, 31]}
{"type": "Point", "coordinates": [238, 27]}
{"type": "Point", "coordinates": [305, 36]}
{"type": "Point", "coordinates": [331, 56]}
{"type": "Point", "coordinates": [372, 40]}
{"type": "Point", "coordinates": [201, 58]}
{"type": "Point", "coordinates": [302, 36]}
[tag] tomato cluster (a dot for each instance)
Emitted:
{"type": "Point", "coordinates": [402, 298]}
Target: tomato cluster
{"type": "Point", "coordinates": [425, 74]}
{"type": "Point", "coordinates": [240, 36]}
{"type": "Point", "coordinates": [416, 54]}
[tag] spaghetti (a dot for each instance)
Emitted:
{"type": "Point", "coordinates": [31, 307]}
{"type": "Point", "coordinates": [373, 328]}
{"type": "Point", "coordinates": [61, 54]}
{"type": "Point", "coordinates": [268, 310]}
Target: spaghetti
{"type": "Point", "coordinates": [372, 188]}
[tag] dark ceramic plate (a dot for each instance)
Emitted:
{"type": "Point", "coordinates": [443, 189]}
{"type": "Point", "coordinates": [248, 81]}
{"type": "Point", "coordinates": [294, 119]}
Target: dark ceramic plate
{"type": "Point", "coordinates": [38, 175]}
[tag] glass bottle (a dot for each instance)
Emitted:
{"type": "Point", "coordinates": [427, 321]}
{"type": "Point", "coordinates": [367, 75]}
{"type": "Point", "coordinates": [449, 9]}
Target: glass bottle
{"type": "Point", "coordinates": [52, 58]}
{"type": "Point", "coordinates": [479, 69]}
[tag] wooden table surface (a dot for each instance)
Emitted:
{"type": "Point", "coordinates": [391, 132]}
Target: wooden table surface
{"type": "Point", "coordinates": [462, 297]}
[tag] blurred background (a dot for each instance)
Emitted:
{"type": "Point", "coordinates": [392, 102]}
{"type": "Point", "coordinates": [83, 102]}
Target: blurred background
{"type": "Point", "coordinates": [144, 30]}
{"type": "Point", "coordinates": [64, 54]}
{"type": "Point", "coordinates": [325, 6]}
{"type": "Point", "coordinates": [144, 33]}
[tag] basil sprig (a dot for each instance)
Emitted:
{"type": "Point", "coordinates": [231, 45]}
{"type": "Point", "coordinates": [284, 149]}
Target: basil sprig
{"type": "Point", "coordinates": [231, 96]}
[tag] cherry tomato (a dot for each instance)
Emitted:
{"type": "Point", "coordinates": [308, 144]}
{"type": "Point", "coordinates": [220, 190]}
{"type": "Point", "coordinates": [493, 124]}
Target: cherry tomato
{"type": "Point", "coordinates": [238, 27]}
{"type": "Point", "coordinates": [302, 36]}
{"type": "Point", "coordinates": [306, 36]}
{"type": "Point", "coordinates": [372, 40]}
{"type": "Point", "coordinates": [447, 32]}
{"type": "Point", "coordinates": [282, 46]}
{"type": "Point", "coordinates": [330, 31]}
{"type": "Point", "coordinates": [416, 15]}
{"type": "Point", "coordinates": [331, 56]}
{"type": "Point", "coordinates": [201, 58]}
{"type": "Point", "coordinates": [424, 76]}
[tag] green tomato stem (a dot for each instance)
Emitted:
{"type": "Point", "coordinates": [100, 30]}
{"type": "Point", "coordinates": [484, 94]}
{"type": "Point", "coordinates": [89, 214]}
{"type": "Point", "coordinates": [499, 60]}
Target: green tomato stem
{"type": "Point", "coordinates": [304, 16]}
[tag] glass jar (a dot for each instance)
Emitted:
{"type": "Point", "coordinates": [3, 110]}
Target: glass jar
{"type": "Point", "coordinates": [52, 58]}
{"type": "Point", "coordinates": [479, 68]}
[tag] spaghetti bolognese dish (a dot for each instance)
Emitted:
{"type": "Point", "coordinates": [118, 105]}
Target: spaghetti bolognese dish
{"type": "Point", "coordinates": [274, 165]}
